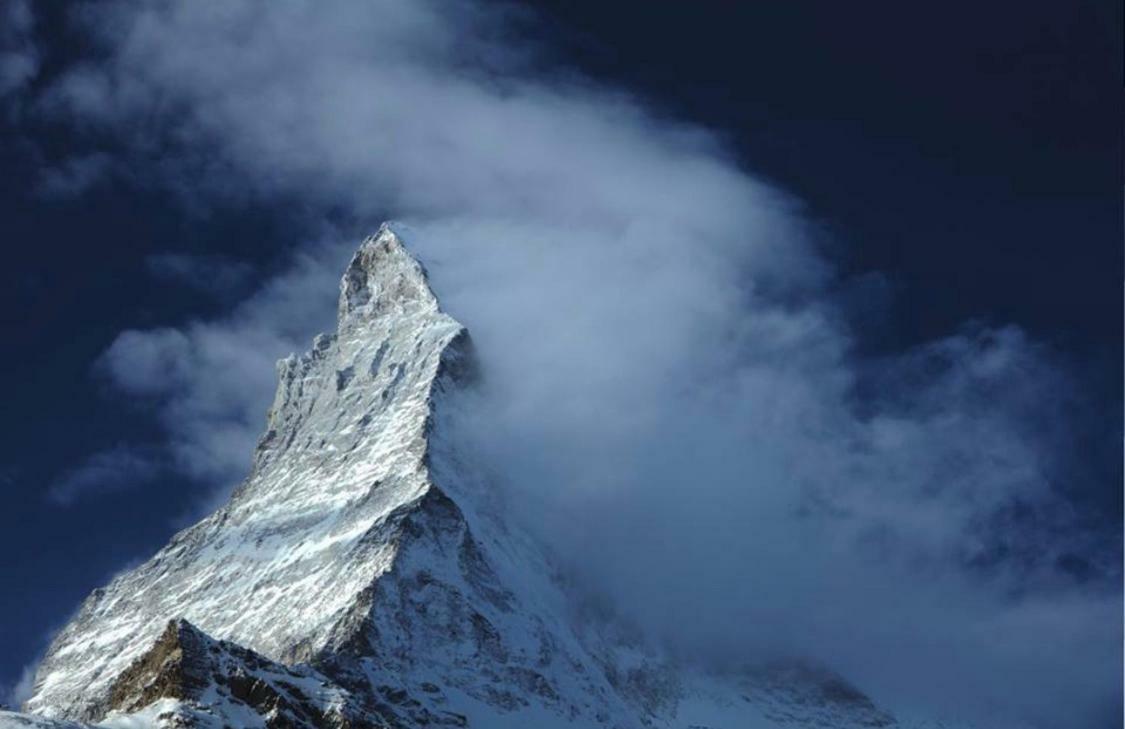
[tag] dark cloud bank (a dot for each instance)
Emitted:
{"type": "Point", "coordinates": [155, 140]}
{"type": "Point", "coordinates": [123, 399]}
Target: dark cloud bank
{"type": "Point", "coordinates": [672, 397]}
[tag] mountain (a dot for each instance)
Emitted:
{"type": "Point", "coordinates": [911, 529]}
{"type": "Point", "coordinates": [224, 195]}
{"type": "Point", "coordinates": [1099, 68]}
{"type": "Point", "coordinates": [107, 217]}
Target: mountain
{"type": "Point", "coordinates": [364, 576]}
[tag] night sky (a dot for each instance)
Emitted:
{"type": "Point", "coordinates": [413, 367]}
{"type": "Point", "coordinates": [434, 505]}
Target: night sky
{"type": "Point", "coordinates": [963, 161]}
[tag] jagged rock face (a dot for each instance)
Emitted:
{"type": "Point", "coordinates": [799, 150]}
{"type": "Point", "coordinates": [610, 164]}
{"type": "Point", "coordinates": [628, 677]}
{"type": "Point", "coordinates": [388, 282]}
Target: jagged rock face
{"type": "Point", "coordinates": [177, 667]}
{"type": "Point", "coordinates": [215, 681]}
{"type": "Point", "coordinates": [360, 578]}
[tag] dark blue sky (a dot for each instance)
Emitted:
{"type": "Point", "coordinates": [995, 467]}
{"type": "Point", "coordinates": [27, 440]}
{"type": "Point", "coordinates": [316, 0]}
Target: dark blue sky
{"type": "Point", "coordinates": [969, 153]}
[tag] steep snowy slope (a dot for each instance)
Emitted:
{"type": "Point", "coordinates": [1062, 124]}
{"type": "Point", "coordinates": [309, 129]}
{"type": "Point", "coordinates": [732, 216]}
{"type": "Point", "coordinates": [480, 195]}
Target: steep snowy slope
{"type": "Point", "coordinates": [281, 565]}
{"type": "Point", "coordinates": [359, 578]}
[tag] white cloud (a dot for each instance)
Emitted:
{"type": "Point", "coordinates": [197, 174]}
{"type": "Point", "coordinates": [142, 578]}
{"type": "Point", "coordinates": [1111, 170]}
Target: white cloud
{"type": "Point", "coordinates": [670, 396]}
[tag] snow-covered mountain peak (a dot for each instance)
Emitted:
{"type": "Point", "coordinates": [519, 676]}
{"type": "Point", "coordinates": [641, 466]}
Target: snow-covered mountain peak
{"type": "Point", "coordinates": [342, 462]}
{"type": "Point", "coordinates": [382, 275]}
{"type": "Point", "coordinates": [357, 579]}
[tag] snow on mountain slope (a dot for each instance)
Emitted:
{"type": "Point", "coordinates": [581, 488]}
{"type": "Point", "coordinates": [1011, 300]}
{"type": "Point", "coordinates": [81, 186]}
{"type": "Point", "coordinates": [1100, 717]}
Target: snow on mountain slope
{"type": "Point", "coordinates": [281, 564]}
{"type": "Point", "coordinates": [360, 577]}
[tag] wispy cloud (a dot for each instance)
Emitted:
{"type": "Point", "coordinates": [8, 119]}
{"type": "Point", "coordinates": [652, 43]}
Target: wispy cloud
{"type": "Point", "coordinates": [211, 274]}
{"type": "Point", "coordinates": [211, 382]}
{"type": "Point", "coordinates": [74, 176]}
{"type": "Point", "coordinates": [19, 56]}
{"type": "Point", "coordinates": [672, 399]}
{"type": "Point", "coordinates": [120, 468]}
{"type": "Point", "coordinates": [14, 695]}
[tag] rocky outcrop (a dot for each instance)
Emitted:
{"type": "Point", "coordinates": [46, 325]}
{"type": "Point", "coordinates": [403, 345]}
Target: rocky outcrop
{"type": "Point", "coordinates": [219, 679]}
{"type": "Point", "coordinates": [176, 667]}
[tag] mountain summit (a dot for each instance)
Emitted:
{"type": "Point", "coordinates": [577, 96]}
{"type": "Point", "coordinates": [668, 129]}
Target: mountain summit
{"type": "Point", "coordinates": [357, 579]}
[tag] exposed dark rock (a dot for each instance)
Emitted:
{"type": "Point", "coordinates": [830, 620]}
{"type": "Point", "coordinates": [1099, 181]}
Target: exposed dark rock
{"type": "Point", "coordinates": [184, 663]}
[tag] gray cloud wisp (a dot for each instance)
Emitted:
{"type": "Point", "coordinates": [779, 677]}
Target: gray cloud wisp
{"type": "Point", "coordinates": [19, 57]}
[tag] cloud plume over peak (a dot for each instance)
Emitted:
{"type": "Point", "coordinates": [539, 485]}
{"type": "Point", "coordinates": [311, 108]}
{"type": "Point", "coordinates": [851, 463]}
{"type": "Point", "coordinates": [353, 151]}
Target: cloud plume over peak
{"type": "Point", "coordinates": [672, 398]}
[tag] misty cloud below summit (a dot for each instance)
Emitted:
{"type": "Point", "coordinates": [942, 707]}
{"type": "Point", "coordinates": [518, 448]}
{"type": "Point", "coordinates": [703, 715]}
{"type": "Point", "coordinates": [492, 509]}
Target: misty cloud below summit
{"type": "Point", "coordinates": [670, 393]}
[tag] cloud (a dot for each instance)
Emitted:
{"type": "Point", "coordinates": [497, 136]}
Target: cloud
{"type": "Point", "coordinates": [672, 399]}
{"type": "Point", "coordinates": [13, 696]}
{"type": "Point", "coordinates": [215, 275]}
{"type": "Point", "coordinates": [211, 382]}
{"type": "Point", "coordinates": [19, 57]}
{"type": "Point", "coordinates": [120, 468]}
{"type": "Point", "coordinates": [74, 176]}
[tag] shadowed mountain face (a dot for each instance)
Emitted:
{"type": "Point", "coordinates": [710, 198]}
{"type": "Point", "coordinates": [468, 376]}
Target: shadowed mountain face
{"type": "Point", "coordinates": [363, 577]}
